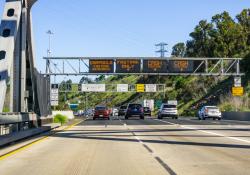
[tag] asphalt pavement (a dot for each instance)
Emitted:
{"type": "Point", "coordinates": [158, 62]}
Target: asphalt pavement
{"type": "Point", "coordinates": [135, 147]}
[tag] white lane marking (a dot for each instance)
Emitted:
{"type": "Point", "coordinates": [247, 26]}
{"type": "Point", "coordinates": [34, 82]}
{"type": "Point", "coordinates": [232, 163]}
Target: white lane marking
{"type": "Point", "coordinates": [166, 122]}
{"type": "Point", "coordinates": [138, 139]}
{"type": "Point", "coordinates": [155, 155]}
{"type": "Point", "coordinates": [207, 132]}
{"type": "Point", "coordinates": [217, 134]}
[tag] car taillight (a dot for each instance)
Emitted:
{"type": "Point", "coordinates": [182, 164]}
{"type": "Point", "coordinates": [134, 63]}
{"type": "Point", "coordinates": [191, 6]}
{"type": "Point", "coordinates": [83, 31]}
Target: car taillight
{"type": "Point", "coordinates": [141, 109]}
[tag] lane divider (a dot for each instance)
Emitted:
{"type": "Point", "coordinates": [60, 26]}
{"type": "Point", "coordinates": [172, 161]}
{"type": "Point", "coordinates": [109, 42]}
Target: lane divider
{"type": "Point", "coordinates": [207, 132]}
{"type": "Point", "coordinates": [153, 154]}
{"type": "Point", "coordinates": [13, 152]}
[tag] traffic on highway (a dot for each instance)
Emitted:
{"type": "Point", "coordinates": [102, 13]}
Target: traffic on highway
{"type": "Point", "coordinates": [134, 146]}
{"type": "Point", "coordinates": [158, 87]}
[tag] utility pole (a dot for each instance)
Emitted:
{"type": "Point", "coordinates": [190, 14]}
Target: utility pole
{"type": "Point", "coordinates": [162, 50]}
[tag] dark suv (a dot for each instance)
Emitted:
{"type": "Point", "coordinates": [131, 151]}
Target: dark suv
{"type": "Point", "coordinates": [147, 111]}
{"type": "Point", "coordinates": [135, 110]}
{"type": "Point", "coordinates": [122, 110]}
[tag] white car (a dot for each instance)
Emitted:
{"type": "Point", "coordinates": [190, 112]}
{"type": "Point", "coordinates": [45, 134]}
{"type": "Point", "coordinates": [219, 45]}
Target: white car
{"type": "Point", "coordinates": [209, 112]}
{"type": "Point", "coordinates": [168, 110]}
{"type": "Point", "coordinates": [115, 112]}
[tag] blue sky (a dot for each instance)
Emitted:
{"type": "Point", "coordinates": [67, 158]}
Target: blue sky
{"type": "Point", "coordinates": [119, 28]}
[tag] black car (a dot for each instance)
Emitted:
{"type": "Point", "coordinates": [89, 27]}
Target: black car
{"type": "Point", "coordinates": [147, 111]}
{"type": "Point", "coordinates": [122, 110]}
{"type": "Point", "coordinates": [135, 110]}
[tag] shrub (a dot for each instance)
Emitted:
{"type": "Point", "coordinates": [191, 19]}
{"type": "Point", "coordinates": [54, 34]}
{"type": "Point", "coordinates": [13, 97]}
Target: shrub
{"type": "Point", "coordinates": [227, 107]}
{"type": "Point", "coordinates": [58, 118]}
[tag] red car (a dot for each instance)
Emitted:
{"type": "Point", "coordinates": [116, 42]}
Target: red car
{"type": "Point", "coordinates": [101, 112]}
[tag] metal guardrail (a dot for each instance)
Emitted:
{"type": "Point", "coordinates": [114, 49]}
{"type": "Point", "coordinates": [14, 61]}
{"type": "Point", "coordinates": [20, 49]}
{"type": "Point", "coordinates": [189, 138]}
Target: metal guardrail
{"type": "Point", "coordinates": [16, 122]}
{"type": "Point", "coordinates": [10, 128]}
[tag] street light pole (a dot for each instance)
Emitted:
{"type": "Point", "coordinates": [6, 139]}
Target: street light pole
{"type": "Point", "coordinates": [50, 33]}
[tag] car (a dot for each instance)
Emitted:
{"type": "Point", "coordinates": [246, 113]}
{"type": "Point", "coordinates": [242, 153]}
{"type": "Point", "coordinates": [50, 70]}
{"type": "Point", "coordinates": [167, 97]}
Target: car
{"type": "Point", "coordinates": [76, 113]}
{"type": "Point", "coordinates": [147, 111]}
{"type": "Point", "coordinates": [115, 112]}
{"type": "Point", "coordinates": [101, 112]}
{"type": "Point", "coordinates": [134, 110]}
{"type": "Point", "coordinates": [209, 112]}
{"type": "Point", "coordinates": [168, 110]}
{"type": "Point", "coordinates": [122, 110]}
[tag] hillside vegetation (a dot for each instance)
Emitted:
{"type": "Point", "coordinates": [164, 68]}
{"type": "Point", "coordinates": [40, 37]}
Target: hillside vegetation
{"type": "Point", "coordinates": [223, 36]}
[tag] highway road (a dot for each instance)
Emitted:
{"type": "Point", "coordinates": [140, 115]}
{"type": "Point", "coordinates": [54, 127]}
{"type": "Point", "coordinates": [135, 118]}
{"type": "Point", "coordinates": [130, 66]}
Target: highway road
{"type": "Point", "coordinates": [138, 147]}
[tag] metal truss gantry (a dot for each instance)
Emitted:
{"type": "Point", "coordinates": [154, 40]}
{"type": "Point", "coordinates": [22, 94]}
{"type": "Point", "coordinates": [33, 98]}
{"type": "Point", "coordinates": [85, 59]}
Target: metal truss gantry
{"type": "Point", "coordinates": [79, 66]}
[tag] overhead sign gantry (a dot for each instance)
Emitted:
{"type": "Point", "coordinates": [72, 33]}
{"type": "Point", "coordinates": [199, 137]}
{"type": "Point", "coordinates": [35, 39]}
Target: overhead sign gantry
{"type": "Point", "coordinates": [79, 66]}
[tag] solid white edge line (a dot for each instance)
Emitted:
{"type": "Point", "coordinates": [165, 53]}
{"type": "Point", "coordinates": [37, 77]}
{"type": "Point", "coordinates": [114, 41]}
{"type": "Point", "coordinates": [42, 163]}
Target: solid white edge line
{"type": "Point", "coordinates": [207, 132]}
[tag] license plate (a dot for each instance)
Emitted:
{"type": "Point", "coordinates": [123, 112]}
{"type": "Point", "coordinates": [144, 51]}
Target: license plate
{"type": "Point", "coordinates": [100, 115]}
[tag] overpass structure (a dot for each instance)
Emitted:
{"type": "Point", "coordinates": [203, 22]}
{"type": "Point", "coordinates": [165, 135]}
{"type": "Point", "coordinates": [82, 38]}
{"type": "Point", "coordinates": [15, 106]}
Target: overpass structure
{"type": "Point", "coordinates": [21, 86]}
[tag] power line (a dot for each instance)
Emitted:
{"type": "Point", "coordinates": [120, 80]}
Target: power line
{"type": "Point", "coordinates": [162, 50]}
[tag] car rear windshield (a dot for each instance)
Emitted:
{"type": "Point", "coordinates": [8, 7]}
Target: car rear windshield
{"type": "Point", "coordinates": [146, 107]}
{"type": "Point", "coordinates": [212, 108]}
{"type": "Point", "coordinates": [133, 106]}
{"type": "Point", "coordinates": [169, 106]}
{"type": "Point", "coordinates": [100, 108]}
{"type": "Point", "coordinates": [123, 107]}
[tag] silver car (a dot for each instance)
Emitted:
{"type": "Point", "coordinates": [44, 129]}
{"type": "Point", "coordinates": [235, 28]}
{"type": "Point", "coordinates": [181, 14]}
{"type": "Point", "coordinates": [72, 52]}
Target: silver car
{"type": "Point", "coordinates": [209, 112]}
{"type": "Point", "coordinates": [168, 110]}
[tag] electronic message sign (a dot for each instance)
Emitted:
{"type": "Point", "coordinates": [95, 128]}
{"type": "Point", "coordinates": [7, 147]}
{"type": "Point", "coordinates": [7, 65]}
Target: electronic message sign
{"type": "Point", "coordinates": [181, 66]}
{"type": "Point", "coordinates": [155, 66]}
{"type": "Point", "coordinates": [101, 66]}
{"type": "Point", "coordinates": [128, 66]}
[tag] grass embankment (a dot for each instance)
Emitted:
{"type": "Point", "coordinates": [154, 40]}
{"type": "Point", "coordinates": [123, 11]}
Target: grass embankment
{"type": "Point", "coordinates": [191, 93]}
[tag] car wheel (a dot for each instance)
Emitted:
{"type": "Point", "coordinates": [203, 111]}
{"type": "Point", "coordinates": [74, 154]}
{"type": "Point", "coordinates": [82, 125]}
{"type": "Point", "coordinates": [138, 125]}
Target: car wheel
{"type": "Point", "coordinates": [213, 118]}
{"type": "Point", "coordinates": [93, 118]}
{"type": "Point", "coordinates": [126, 117]}
{"type": "Point", "coordinates": [219, 118]}
{"type": "Point", "coordinates": [176, 118]}
{"type": "Point", "coordinates": [159, 117]}
{"type": "Point", "coordinates": [142, 117]}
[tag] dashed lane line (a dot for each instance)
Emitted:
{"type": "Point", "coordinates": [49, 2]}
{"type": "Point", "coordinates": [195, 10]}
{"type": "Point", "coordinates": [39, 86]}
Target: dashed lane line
{"type": "Point", "coordinates": [155, 156]}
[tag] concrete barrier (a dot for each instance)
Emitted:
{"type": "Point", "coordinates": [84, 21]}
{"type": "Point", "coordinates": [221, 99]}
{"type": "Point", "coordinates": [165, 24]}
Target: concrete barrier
{"type": "Point", "coordinates": [17, 117]}
{"type": "Point", "coordinates": [10, 138]}
{"type": "Point", "coordinates": [241, 116]}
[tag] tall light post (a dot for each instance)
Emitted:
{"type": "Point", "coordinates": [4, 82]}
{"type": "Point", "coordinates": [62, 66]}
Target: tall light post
{"type": "Point", "coordinates": [50, 33]}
